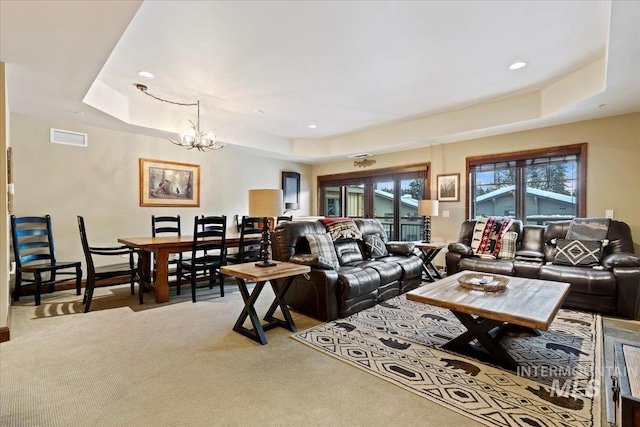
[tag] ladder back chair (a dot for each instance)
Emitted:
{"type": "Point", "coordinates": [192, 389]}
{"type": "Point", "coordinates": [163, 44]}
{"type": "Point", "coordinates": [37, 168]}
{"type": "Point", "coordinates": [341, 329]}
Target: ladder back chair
{"type": "Point", "coordinates": [207, 252]}
{"type": "Point", "coordinates": [250, 239]}
{"type": "Point", "coordinates": [130, 269]}
{"type": "Point", "coordinates": [168, 225]}
{"type": "Point", "coordinates": [35, 257]}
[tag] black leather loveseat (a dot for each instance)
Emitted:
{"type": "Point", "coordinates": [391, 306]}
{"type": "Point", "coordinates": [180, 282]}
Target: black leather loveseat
{"type": "Point", "coordinates": [612, 287]}
{"type": "Point", "coordinates": [331, 292]}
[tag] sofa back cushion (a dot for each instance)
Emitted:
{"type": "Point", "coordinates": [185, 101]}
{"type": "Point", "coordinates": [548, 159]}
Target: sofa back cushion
{"type": "Point", "coordinates": [348, 251]}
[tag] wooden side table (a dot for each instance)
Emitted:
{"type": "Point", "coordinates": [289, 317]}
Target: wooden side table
{"type": "Point", "coordinates": [261, 275]}
{"type": "Point", "coordinates": [429, 252]}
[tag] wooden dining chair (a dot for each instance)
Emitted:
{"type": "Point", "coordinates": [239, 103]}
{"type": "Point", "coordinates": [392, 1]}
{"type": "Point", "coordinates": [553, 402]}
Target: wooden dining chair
{"type": "Point", "coordinates": [250, 239]}
{"type": "Point", "coordinates": [207, 252]}
{"type": "Point", "coordinates": [168, 225]}
{"type": "Point", "coordinates": [35, 257]}
{"type": "Point", "coordinates": [131, 268]}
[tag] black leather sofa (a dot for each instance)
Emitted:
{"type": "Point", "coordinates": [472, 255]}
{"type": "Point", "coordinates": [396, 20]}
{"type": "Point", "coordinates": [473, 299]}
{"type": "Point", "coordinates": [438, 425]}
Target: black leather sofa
{"type": "Point", "coordinates": [610, 288]}
{"type": "Point", "coordinates": [358, 283]}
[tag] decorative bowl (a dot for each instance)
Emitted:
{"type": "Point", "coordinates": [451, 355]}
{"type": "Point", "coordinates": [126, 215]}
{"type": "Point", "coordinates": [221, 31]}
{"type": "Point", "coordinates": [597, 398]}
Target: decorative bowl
{"type": "Point", "coordinates": [483, 282]}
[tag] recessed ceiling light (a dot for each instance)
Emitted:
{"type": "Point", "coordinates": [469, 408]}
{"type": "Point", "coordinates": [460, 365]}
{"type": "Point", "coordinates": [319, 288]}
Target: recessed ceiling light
{"type": "Point", "coordinates": [517, 65]}
{"type": "Point", "coordinates": [601, 106]}
{"type": "Point", "coordinates": [146, 74]}
{"type": "Point", "coordinates": [313, 126]}
{"type": "Point", "coordinates": [80, 113]}
{"type": "Point", "coordinates": [258, 111]}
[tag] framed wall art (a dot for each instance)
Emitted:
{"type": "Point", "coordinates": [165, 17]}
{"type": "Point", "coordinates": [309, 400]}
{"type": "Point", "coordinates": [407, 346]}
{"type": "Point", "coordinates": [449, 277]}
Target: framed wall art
{"type": "Point", "coordinates": [449, 187]}
{"type": "Point", "coordinates": [165, 183]}
{"type": "Point", "coordinates": [291, 188]}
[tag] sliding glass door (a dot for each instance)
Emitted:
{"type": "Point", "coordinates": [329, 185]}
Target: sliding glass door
{"type": "Point", "coordinates": [390, 196]}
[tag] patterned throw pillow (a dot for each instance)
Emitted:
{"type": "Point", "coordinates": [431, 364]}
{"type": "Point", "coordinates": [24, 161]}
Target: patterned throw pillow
{"type": "Point", "coordinates": [321, 245]}
{"type": "Point", "coordinates": [375, 246]}
{"type": "Point", "coordinates": [342, 228]}
{"type": "Point", "coordinates": [508, 246]}
{"type": "Point", "coordinates": [583, 253]}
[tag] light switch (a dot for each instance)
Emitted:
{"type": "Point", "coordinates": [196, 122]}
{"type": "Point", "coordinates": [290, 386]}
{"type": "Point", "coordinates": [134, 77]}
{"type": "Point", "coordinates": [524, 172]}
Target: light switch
{"type": "Point", "coordinates": [445, 214]}
{"type": "Point", "coordinates": [608, 213]}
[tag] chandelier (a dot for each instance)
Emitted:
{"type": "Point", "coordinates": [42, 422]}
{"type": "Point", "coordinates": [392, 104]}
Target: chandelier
{"type": "Point", "coordinates": [193, 138]}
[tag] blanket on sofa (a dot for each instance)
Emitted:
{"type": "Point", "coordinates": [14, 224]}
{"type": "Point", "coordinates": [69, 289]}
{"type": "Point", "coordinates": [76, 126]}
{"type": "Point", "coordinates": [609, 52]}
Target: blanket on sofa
{"type": "Point", "coordinates": [487, 236]}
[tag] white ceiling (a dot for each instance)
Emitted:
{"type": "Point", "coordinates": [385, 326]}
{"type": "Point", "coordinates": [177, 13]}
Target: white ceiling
{"type": "Point", "coordinates": [374, 76]}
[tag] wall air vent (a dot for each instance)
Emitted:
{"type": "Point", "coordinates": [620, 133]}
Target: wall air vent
{"type": "Point", "coordinates": [58, 136]}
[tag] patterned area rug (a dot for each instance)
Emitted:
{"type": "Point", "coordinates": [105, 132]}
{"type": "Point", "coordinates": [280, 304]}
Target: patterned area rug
{"type": "Point", "coordinates": [557, 383]}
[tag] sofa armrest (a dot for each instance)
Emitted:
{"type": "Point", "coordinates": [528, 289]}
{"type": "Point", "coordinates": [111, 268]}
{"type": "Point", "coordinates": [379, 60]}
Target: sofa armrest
{"type": "Point", "coordinates": [620, 259]}
{"type": "Point", "coordinates": [460, 248]}
{"type": "Point", "coordinates": [313, 261]}
{"type": "Point", "coordinates": [400, 248]}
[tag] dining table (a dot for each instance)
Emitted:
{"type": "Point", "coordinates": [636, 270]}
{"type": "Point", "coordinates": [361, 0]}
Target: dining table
{"type": "Point", "coordinates": [162, 247]}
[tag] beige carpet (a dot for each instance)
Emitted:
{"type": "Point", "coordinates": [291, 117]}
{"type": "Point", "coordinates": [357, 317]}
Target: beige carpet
{"type": "Point", "coordinates": [180, 364]}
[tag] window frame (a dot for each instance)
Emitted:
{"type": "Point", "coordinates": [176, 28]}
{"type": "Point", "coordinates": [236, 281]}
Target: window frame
{"type": "Point", "coordinates": [580, 150]}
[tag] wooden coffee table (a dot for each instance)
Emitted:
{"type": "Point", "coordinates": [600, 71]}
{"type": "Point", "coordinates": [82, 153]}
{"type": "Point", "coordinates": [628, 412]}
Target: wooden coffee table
{"type": "Point", "coordinates": [529, 304]}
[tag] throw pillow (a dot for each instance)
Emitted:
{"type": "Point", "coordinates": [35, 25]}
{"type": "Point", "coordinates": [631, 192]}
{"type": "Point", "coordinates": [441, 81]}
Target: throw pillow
{"type": "Point", "coordinates": [583, 253]}
{"type": "Point", "coordinates": [342, 228]}
{"type": "Point", "coordinates": [487, 235]}
{"type": "Point", "coordinates": [588, 229]}
{"type": "Point", "coordinates": [508, 246]}
{"type": "Point", "coordinates": [375, 246]}
{"type": "Point", "coordinates": [321, 245]}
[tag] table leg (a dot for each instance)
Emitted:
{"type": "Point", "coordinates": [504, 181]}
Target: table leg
{"type": "Point", "coordinates": [487, 332]}
{"type": "Point", "coordinates": [279, 302]}
{"type": "Point", "coordinates": [257, 333]}
{"type": "Point", "coordinates": [427, 262]}
{"type": "Point", "coordinates": [162, 270]}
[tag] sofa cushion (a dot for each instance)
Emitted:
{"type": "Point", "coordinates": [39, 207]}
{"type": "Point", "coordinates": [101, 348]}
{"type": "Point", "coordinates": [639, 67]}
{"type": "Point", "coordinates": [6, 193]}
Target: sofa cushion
{"type": "Point", "coordinates": [585, 253]}
{"type": "Point", "coordinates": [356, 281]}
{"type": "Point", "coordinates": [494, 266]}
{"type": "Point", "coordinates": [342, 228]}
{"type": "Point", "coordinates": [388, 271]}
{"type": "Point", "coordinates": [321, 245]}
{"type": "Point", "coordinates": [411, 265]}
{"type": "Point", "coordinates": [375, 246]}
{"type": "Point", "coordinates": [583, 280]}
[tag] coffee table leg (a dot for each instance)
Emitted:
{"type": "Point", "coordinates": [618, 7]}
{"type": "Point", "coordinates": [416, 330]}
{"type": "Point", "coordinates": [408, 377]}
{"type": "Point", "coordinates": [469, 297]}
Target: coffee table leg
{"type": "Point", "coordinates": [486, 331]}
{"type": "Point", "coordinates": [257, 333]}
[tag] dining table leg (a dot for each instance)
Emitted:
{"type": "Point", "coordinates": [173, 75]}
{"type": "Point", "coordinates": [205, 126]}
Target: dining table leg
{"type": "Point", "coordinates": [162, 281]}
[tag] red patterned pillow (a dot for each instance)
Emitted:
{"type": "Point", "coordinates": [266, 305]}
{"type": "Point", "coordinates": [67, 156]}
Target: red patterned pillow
{"type": "Point", "coordinates": [342, 228]}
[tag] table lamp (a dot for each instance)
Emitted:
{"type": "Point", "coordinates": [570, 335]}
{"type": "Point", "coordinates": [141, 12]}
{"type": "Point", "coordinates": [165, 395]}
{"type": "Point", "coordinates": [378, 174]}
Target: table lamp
{"type": "Point", "coordinates": [427, 208]}
{"type": "Point", "coordinates": [265, 203]}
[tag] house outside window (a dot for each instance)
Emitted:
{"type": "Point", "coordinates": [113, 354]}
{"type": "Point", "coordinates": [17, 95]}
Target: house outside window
{"type": "Point", "coordinates": [534, 186]}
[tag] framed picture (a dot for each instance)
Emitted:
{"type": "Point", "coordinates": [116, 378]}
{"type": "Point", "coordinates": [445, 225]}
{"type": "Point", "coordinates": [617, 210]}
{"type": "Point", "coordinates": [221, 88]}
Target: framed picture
{"type": "Point", "coordinates": [290, 188]}
{"type": "Point", "coordinates": [449, 187]}
{"type": "Point", "coordinates": [169, 183]}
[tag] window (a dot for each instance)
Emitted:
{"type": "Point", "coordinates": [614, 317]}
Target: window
{"type": "Point", "coordinates": [389, 195]}
{"type": "Point", "coordinates": [534, 186]}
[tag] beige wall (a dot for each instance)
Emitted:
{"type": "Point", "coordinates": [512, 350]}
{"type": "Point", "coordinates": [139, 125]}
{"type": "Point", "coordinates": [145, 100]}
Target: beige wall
{"type": "Point", "coordinates": [4, 224]}
{"type": "Point", "coordinates": [100, 182]}
{"type": "Point", "coordinates": [613, 171]}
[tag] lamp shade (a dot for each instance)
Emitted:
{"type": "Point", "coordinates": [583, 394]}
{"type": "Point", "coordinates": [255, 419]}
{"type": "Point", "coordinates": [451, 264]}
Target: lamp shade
{"type": "Point", "coordinates": [265, 203]}
{"type": "Point", "coordinates": [428, 207]}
